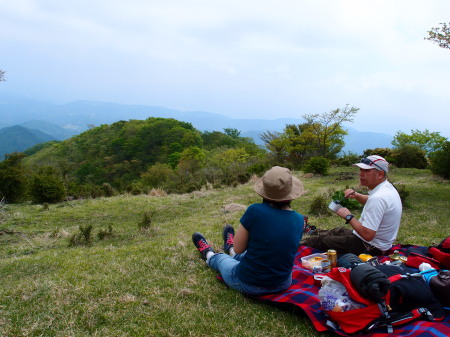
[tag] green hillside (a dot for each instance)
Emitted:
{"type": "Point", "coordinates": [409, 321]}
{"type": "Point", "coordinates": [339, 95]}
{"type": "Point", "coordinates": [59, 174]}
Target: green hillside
{"type": "Point", "coordinates": [18, 138]}
{"type": "Point", "coordinates": [152, 282]}
{"type": "Point", "coordinates": [120, 154]}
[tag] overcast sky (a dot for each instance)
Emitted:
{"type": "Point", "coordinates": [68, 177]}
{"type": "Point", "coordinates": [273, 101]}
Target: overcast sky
{"type": "Point", "coordinates": [243, 59]}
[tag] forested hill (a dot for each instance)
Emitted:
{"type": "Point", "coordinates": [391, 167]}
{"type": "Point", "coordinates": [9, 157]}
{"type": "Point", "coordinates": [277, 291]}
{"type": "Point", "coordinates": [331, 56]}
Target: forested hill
{"type": "Point", "coordinates": [18, 138]}
{"type": "Point", "coordinates": [120, 153]}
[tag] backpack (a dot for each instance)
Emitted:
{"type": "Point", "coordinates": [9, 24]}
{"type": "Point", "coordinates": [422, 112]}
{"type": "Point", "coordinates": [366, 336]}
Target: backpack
{"type": "Point", "coordinates": [370, 314]}
{"type": "Point", "coordinates": [439, 282]}
{"type": "Point", "coordinates": [441, 252]}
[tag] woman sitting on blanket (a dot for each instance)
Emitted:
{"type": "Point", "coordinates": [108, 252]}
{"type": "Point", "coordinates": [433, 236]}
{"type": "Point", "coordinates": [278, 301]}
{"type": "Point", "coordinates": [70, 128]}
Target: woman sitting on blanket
{"type": "Point", "coordinates": [259, 258]}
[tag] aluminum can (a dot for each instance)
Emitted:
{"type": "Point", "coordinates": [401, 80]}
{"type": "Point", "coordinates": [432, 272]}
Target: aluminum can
{"type": "Point", "coordinates": [332, 257]}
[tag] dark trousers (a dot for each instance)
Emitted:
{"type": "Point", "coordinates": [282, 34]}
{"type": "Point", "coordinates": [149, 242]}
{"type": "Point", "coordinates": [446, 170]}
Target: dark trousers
{"type": "Point", "coordinates": [340, 239]}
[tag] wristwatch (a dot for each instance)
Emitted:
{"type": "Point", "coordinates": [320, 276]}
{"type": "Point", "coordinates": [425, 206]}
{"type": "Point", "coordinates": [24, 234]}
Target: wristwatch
{"type": "Point", "coordinates": [348, 218]}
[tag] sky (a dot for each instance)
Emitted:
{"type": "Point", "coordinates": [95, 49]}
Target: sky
{"type": "Point", "coordinates": [243, 59]}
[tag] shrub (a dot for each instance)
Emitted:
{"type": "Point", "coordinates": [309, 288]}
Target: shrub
{"type": "Point", "coordinates": [257, 168]}
{"type": "Point", "coordinates": [185, 181]}
{"type": "Point", "coordinates": [345, 202]}
{"type": "Point", "coordinates": [107, 190]}
{"type": "Point", "coordinates": [12, 178]}
{"type": "Point", "coordinates": [348, 159]}
{"type": "Point", "coordinates": [105, 233]}
{"type": "Point", "coordinates": [409, 156]}
{"type": "Point", "coordinates": [317, 165]}
{"type": "Point", "coordinates": [135, 189]}
{"type": "Point", "coordinates": [47, 186]}
{"type": "Point", "coordinates": [440, 161]}
{"type": "Point", "coordinates": [96, 191]}
{"type": "Point", "coordinates": [319, 205]}
{"type": "Point", "coordinates": [157, 192]}
{"type": "Point", "coordinates": [85, 191]}
{"type": "Point", "coordinates": [82, 238]}
{"type": "Point", "coordinates": [383, 152]}
{"type": "Point", "coordinates": [156, 175]}
{"type": "Point", "coordinates": [403, 193]}
{"type": "Point", "coordinates": [146, 222]}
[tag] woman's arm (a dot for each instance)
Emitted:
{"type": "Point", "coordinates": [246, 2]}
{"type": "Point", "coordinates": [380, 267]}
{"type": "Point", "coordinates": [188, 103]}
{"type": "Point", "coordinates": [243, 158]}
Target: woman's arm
{"type": "Point", "coordinates": [240, 240]}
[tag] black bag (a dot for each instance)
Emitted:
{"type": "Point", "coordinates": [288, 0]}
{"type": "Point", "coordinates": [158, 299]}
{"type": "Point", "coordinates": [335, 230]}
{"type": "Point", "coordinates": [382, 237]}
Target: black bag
{"type": "Point", "coordinates": [411, 291]}
{"type": "Point", "coordinates": [440, 286]}
{"type": "Point", "coordinates": [370, 282]}
{"type": "Point", "coordinates": [372, 314]}
{"type": "Point", "coordinates": [349, 261]}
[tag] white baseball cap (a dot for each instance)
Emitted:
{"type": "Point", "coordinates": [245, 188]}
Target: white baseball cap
{"type": "Point", "coordinates": [373, 162]}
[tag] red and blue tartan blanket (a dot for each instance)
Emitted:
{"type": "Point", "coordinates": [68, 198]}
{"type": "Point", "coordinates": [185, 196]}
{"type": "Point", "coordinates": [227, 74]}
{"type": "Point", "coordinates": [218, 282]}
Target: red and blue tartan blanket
{"type": "Point", "coordinates": [304, 294]}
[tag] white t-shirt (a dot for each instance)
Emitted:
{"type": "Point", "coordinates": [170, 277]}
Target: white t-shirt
{"type": "Point", "coordinates": [382, 213]}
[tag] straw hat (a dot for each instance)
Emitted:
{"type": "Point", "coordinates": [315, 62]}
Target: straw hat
{"type": "Point", "coordinates": [278, 184]}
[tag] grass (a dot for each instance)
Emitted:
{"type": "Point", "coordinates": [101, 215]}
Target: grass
{"type": "Point", "coordinates": [152, 282]}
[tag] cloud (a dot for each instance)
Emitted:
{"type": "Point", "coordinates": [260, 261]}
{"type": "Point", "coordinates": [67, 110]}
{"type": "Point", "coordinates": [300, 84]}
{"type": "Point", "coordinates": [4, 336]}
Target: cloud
{"type": "Point", "coordinates": [240, 58]}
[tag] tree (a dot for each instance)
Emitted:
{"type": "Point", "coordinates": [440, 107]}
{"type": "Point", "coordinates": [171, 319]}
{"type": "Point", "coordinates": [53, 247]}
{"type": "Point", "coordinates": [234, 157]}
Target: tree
{"type": "Point", "coordinates": [440, 161]}
{"type": "Point", "coordinates": [12, 178]}
{"type": "Point", "coordinates": [276, 144]}
{"type": "Point", "coordinates": [233, 133]}
{"type": "Point", "coordinates": [2, 75]}
{"type": "Point", "coordinates": [409, 156]}
{"type": "Point", "coordinates": [157, 175]}
{"type": "Point", "coordinates": [440, 35]}
{"type": "Point", "coordinates": [383, 152]}
{"type": "Point", "coordinates": [321, 136]}
{"type": "Point", "coordinates": [327, 130]}
{"type": "Point", "coordinates": [47, 186]}
{"type": "Point", "coordinates": [317, 165]}
{"type": "Point", "coordinates": [192, 159]}
{"type": "Point", "coordinates": [425, 140]}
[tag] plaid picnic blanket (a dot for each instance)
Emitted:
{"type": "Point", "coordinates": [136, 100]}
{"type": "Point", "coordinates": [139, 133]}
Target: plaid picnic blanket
{"type": "Point", "coordinates": [304, 294]}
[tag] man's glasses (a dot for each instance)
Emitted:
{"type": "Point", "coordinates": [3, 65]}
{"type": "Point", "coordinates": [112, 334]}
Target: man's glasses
{"type": "Point", "coordinates": [369, 162]}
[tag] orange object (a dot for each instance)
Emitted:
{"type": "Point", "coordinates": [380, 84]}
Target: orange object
{"type": "Point", "coordinates": [365, 257]}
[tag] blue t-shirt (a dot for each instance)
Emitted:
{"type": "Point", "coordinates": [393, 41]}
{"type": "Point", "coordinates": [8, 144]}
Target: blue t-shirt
{"type": "Point", "coordinates": [274, 237]}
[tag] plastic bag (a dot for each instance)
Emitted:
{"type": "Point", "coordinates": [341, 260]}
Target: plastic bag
{"type": "Point", "coordinates": [334, 297]}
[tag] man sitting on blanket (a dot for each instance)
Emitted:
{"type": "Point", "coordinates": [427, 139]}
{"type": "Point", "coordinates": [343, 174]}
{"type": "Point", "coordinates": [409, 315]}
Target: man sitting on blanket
{"type": "Point", "coordinates": [376, 230]}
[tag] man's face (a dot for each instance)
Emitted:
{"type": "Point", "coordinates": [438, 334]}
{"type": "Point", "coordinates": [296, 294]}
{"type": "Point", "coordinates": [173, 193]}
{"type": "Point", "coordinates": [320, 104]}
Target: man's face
{"type": "Point", "coordinates": [370, 178]}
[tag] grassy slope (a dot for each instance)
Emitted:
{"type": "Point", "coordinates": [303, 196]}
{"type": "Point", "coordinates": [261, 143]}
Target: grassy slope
{"type": "Point", "coordinates": [154, 283]}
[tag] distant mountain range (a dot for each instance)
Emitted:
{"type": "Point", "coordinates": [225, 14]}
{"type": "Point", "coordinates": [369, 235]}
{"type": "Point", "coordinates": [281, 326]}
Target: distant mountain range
{"type": "Point", "coordinates": [18, 138]}
{"type": "Point", "coordinates": [46, 121]}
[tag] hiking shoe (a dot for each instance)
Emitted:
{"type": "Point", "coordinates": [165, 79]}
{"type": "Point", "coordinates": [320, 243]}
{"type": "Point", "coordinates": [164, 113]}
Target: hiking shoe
{"type": "Point", "coordinates": [202, 245]}
{"type": "Point", "coordinates": [228, 238]}
{"type": "Point", "coordinates": [309, 231]}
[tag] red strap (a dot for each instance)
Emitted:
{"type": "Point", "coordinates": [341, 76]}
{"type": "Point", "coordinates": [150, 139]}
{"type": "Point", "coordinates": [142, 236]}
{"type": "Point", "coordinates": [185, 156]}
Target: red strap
{"type": "Point", "coordinates": [395, 278]}
{"type": "Point", "coordinates": [415, 314]}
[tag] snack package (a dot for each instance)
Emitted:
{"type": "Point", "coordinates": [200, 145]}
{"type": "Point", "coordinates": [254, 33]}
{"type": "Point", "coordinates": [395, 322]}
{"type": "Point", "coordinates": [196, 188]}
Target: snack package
{"type": "Point", "coordinates": [334, 297]}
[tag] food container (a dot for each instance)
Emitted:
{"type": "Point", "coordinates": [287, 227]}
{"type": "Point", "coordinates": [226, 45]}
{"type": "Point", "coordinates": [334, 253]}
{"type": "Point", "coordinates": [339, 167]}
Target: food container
{"type": "Point", "coordinates": [334, 206]}
{"type": "Point", "coordinates": [317, 263]}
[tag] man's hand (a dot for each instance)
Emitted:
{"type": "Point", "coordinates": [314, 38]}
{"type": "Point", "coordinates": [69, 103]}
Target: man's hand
{"type": "Point", "coordinates": [343, 212]}
{"type": "Point", "coordinates": [350, 193]}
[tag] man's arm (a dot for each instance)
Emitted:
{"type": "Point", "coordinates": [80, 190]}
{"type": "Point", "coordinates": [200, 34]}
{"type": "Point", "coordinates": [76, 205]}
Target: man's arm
{"type": "Point", "coordinates": [352, 194]}
{"type": "Point", "coordinates": [366, 233]}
